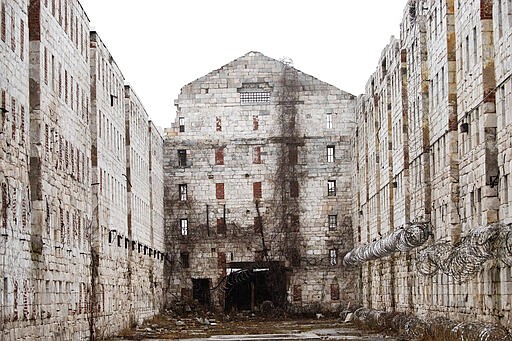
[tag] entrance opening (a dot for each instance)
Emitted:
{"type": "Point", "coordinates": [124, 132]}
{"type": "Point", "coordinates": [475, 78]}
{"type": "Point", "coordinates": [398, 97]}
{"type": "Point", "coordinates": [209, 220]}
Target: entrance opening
{"type": "Point", "coordinates": [201, 291]}
{"type": "Point", "coordinates": [248, 286]}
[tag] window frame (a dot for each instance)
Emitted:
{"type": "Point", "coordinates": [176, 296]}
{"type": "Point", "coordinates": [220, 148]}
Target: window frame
{"type": "Point", "coordinates": [331, 188]}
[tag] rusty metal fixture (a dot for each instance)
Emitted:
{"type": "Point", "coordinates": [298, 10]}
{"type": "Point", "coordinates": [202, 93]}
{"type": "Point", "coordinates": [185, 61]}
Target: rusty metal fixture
{"type": "Point", "coordinates": [402, 240]}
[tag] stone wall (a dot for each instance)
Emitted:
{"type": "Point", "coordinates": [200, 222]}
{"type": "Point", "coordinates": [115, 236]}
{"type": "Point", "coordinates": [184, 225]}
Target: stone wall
{"type": "Point", "coordinates": [247, 170]}
{"type": "Point", "coordinates": [449, 78]}
{"type": "Point", "coordinates": [66, 273]}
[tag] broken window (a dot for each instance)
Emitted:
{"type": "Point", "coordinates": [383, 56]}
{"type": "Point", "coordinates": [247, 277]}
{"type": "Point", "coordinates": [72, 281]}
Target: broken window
{"type": "Point", "coordinates": [183, 192]}
{"type": "Point", "coordinates": [254, 97]}
{"type": "Point", "coordinates": [333, 257]}
{"type": "Point", "coordinates": [184, 227]}
{"type": "Point", "coordinates": [294, 189]}
{"type": "Point", "coordinates": [256, 157]}
{"type": "Point", "coordinates": [219, 191]}
{"type": "Point", "coordinates": [333, 221]}
{"type": "Point", "coordinates": [331, 188]}
{"type": "Point", "coordinates": [219, 156]}
{"type": "Point", "coordinates": [184, 260]}
{"type": "Point", "coordinates": [330, 153]}
{"type": "Point", "coordinates": [182, 158]}
{"type": "Point", "coordinates": [181, 121]}
{"type": "Point", "coordinates": [256, 190]}
{"type": "Point", "coordinates": [329, 120]}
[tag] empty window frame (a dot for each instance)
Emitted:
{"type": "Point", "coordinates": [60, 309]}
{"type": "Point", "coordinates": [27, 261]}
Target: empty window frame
{"type": "Point", "coordinates": [333, 257]}
{"type": "Point", "coordinates": [219, 156]}
{"type": "Point", "coordinates": [254, 97]}
{"type": "Point", "coordinates": [184, 260]}
{"type": "Point", "coordinates": [183, 192]}
{"type": "Point", "coordinates": [184, 227]}
{"type": "Point", "coordinates": [329, 120]}
{"type": "Point", "coordinates": [330, 153]}
{"type": "Point", "coordinates": [331, 188]}
{"type": "Point", "coordinates": [333, 221]}
{"type": "Point", "coordinates": [182, 158]}
{"type": "Point", "coordinates": [181, 122]}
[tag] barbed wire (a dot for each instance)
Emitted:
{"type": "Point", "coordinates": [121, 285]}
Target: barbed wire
{"type": "Point", "coordinates": [465, 259]}
{"type": "Point", "coordinates": [402, 240]}
{"type": "Point", "coordinates": [439, 328]}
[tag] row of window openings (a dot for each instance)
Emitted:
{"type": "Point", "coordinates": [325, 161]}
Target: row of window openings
{"type": "Point", "coordinates": [255, 123]}
{"type": "Point", "coordinates": [332, 220]}
{"type": "Point", "coordinates": [257, 192]}
{"type": "Point", "coordinates": [185, 258]}
{"type": "Point", "coordinates": [219, 156]}
{"type": "Point", "coordinates": [141, 248]}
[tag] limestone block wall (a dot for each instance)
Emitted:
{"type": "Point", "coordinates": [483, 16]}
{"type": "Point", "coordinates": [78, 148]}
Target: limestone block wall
{"type": "Point", "coordinates": [255, 141]}
{"type": "Point", "coordinates": [17, 298]}
{"type": "Point", "coordinates": [455, 93]}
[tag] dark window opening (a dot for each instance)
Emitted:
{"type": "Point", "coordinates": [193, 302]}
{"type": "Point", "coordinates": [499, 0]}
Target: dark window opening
{"type": "Point", "coordinates": [184, 261]}
{"type": "Point", "coordinates": [294, 189]}
{"type": "Point", "coordinates": [335, 292]}
{"type": "Point", "coordinates": [219, 191]}
{"type": "Point", "coordinates": [297, 293]}
{"type": "Point", "coordinates": [256, 190]}
{"type": "Point", "coordinates": [292, 154]}
{"type": "Point", "coordinates": [219, 156]}
{"type": "Point", "coordinates": [182, 124]}
{"type": "Point", "coordinates": [182, 158]}
{"type": "Point", "coordinates": [218, 124]}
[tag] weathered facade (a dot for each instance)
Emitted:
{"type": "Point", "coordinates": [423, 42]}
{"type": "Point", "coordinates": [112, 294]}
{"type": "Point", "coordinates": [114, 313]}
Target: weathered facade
{"type": "Point", "coordinates": [257, 181]}
{"type": "Point", "coordinates": [441, 96]}
{"type": "Point", "coordinates": [65, 271]}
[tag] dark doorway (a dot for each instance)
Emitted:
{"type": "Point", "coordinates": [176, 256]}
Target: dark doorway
{"type": "Point", "coordinates": [247, 289]}
{"type": "Point", "coordinates": [201, 291]}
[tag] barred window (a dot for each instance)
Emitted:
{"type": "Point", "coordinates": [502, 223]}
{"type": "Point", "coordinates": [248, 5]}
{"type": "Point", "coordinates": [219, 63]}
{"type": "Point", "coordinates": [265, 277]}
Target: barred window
{"type": "Point", "coordinates": [254, 97]}
{"type": "Point", "coordinates": [330, 153]}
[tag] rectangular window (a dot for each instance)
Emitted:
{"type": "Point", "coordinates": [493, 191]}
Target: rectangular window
{"type": "Point", "coordinates": [218, 124]}
{"type": "Point", "coordinates": [335, 292]}
{"type": "Point", "coordinates": [297, 293]}
{"type": "Point", "coordinates": [255, 122]}
{"type": "Point", "coordinates": [475, 46]}
{"type": "Point", "coordinates": [294, 189]}
{"type": "Point", "coordinates": [182, 158]}
{"type": "Point", "coordinates": [183, 192]}
{"type": "Point", "coordinates": [256, 190]}
{"type": "Point", "coordinates": [221, 226]}
{"type": "Point", "coordinates": [184, 227]}
{"type": "Point", "coordinates": [184, 260]}
{"type": "Point", "coordinates": [330, 153]}
{"type": "Point", "coordinates": [331, 188]}
{"type": "Point", "coordinates": [219, 156]}
{"type": "Point", "coordinates": [329, 120]}
{"type": "Point", "coordinates": [219, 191]}
{"type": "Point", "coordinates": [254, 97]}
{"type": "Point", "coordinates": [294, 222]}
{"type": "Point", "coordinates": [181, 121]}
{"type": "Point", "coordinates": [333, 257]}
{"type": "Point", "coordinates": [333, 221]}
{"type": "Point", "coordinates": [256, 155]}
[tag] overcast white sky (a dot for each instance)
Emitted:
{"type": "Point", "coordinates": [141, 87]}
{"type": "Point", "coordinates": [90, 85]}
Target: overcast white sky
{"type": "Point", "coordinates": [161, 45]}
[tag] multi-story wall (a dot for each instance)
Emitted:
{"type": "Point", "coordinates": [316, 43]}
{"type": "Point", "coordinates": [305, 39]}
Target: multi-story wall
{"type": "Point", "coordinates": [450, 98]}
{"type": "Point", "coordinates": [66, 259]}
{"type": "Point", "coordinates": [18, 297]}
{"type": "Point", "coordinates": [257, 176]}
{"type": "Point", "coordinates": [109, 193]}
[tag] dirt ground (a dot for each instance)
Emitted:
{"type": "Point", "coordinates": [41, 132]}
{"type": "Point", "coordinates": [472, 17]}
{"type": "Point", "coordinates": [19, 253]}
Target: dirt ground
{"type": "Point", "coordinates": [169, 326]}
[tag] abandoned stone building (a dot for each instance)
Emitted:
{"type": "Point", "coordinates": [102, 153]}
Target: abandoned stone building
{"type": "Point", "coordinates": [81, 181]}
{"type": "Point", "coordinates": [258, 188]}
{"type": "Point", "coordinates": [432, 145]}
{"type": "Point", "coordinates": [271, 185]}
